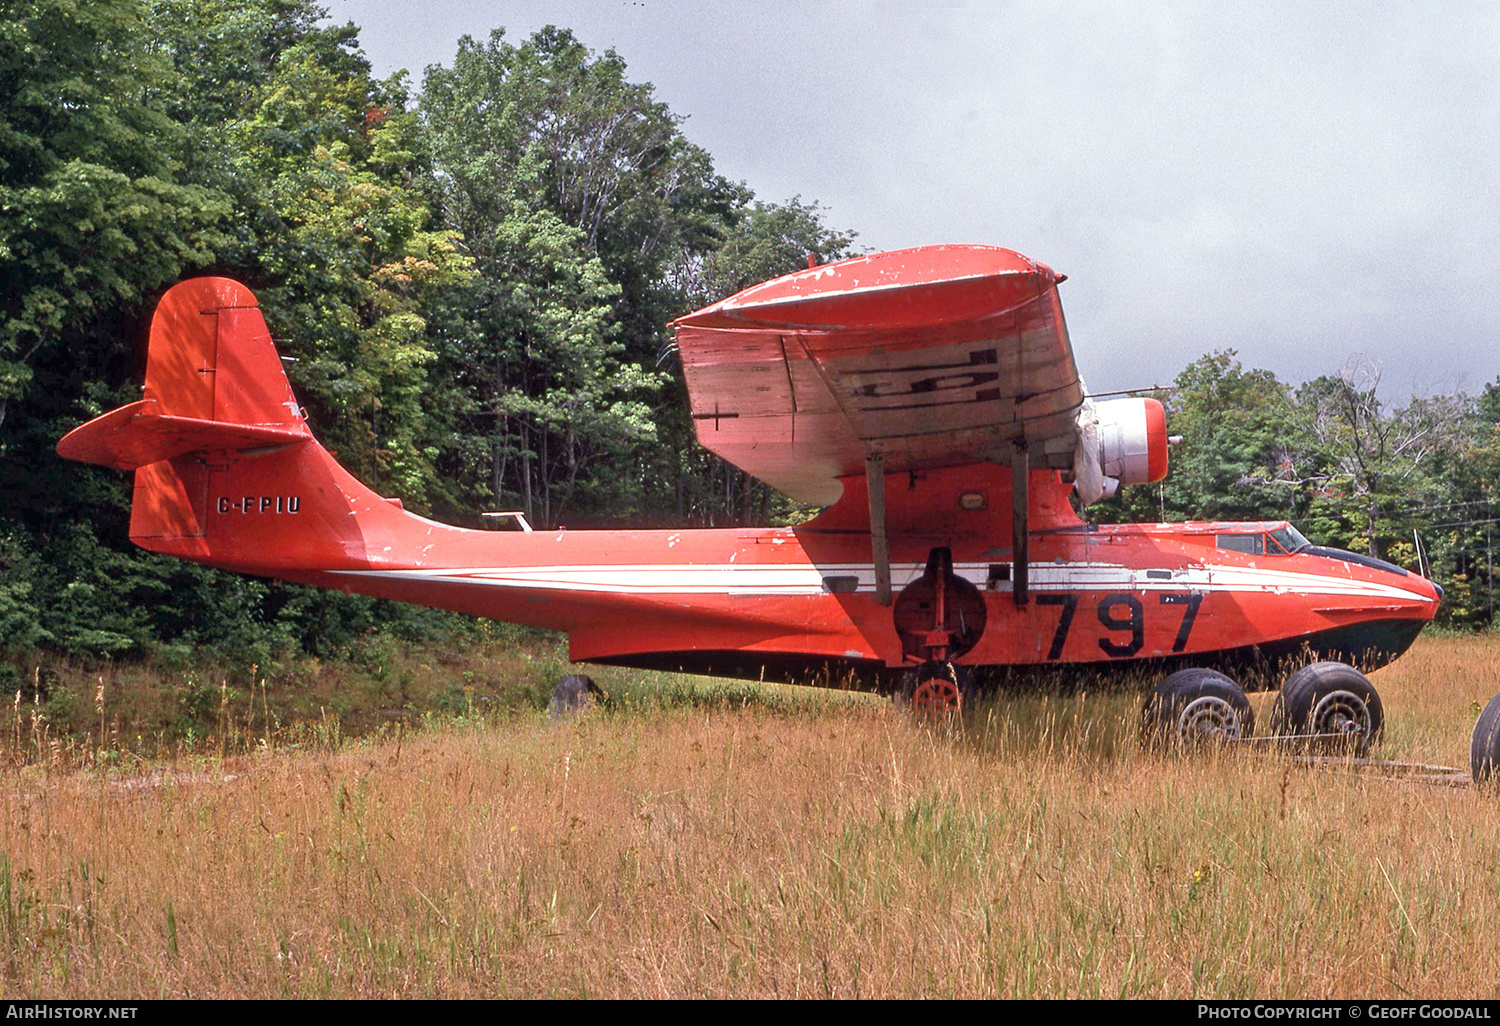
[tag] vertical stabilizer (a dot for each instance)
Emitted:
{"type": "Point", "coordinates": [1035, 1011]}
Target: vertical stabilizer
{"type": "Point", "coordinates": [225, 469]}
{"type": "Point", "coordinates": [211, 358]}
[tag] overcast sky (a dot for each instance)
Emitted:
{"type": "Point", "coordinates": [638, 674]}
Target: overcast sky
{"type": "Point", "coordinates": [1305, 183]}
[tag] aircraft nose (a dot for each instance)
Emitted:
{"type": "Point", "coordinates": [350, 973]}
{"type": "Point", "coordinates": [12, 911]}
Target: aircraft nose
{"type": "Point", "coordinates": [1437, 589]}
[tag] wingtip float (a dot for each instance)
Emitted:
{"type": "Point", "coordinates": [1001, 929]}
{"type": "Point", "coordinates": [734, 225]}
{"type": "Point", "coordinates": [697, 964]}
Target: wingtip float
{"type": "Point", "coordinates": [928, 397]}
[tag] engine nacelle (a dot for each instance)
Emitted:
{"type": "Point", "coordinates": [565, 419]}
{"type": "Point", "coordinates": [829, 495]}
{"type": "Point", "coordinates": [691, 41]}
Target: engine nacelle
{"type": "Point", "coordinates": [1120, 441]}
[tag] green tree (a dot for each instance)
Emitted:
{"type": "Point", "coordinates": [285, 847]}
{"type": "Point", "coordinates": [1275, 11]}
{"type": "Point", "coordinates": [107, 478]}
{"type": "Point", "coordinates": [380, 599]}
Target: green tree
{"type": "Point", "coordinates": [1236, 460]}
{"type": "Point", "coordinates": [356, 261]}
{"type": "Point", "coordinates": [543, 384]}
{"type": "Point", "coordinates": [94, 214]}
{"type": "Point", "coordinates": [549, 131]}
{"type": "Point", "coordinates": [333, 222]}
{"type": "Point", "coordinates": [1448, 502]}
{"type": "Point", "coordinates": [1375, 460]}
{"type": "Point", "coordinates": [142, 141]}
{"type": "Point", "coordinates": [761, 241]}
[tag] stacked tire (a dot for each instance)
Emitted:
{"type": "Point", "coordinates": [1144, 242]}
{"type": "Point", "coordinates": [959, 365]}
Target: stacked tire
{"type": "Point", "coordinates": [1197, 707]}
{"type": "Point", "coordinates": [1332, 703]}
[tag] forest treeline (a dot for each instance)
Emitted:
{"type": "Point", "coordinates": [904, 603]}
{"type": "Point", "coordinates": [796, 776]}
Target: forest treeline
{"type": "Point", "coordinates": [473, 277]}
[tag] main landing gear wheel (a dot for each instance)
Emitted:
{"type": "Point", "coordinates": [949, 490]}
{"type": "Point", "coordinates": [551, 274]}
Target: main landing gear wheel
{"type": "Point", "coordinates": [1195, 707]}
{"type": "Point", "coordinates": [934, 690]}
{"type": "Point", "coordinates": [1333, 704]}
{"type": "Point", "coordinates": [1484, 746]}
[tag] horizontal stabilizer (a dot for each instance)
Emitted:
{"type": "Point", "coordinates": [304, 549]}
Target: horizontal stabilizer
{"type": "Point", "coordinates": [138, 435]}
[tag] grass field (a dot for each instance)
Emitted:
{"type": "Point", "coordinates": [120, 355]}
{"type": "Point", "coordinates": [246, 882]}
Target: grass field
{"type": "Point", "coordinates": [730, 840]}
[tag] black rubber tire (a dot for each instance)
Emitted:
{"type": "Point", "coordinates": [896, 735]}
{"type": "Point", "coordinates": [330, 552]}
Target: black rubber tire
{"type": "Point", "coordinates": [1196, 706]}
{"type": "Point", "coordinates": [1330, 698]}
{"type": "Point", "coordinates": [1484, 746]}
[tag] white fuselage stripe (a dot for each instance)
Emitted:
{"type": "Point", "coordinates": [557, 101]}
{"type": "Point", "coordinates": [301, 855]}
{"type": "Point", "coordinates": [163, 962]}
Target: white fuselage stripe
{"type": "Point", "coordinates": [807, 579]}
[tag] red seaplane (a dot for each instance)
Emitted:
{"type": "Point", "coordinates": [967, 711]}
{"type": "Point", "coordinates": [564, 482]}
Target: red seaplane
{"type": "Point", "coordinates": [928, 398]}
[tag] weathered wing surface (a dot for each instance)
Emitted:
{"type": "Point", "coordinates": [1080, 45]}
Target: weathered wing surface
{"type": "Point", "coordinates": [932, 357]}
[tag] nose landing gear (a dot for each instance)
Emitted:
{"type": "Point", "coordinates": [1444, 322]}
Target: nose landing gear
{"type": "Point", "coordinates": [935, 690]}
{"type": "Point", "coordinates": [939, 617]}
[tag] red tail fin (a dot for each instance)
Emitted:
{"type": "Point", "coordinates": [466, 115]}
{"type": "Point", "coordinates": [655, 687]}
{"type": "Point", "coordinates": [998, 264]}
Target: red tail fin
{"type": "Point", "coordinates": [213, 382]}
{"type": "Point", "coordinates": [219, 433]}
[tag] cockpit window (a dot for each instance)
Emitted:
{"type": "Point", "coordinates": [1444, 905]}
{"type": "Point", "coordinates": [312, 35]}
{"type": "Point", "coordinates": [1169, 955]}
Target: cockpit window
{"type": "Point", "coordinates": [1255, 544]}
{"type": "Point", "coordinates": [1287, 539]}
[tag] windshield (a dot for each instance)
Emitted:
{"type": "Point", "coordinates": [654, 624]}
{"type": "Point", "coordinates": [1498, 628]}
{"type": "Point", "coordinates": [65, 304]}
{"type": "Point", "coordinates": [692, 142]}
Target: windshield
{"type": "Point", "coordinates": [1289, 538]}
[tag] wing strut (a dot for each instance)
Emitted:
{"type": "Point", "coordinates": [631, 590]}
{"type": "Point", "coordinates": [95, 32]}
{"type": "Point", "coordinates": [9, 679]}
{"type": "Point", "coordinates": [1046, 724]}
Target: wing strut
{"type": "Point", "coordinates": [880, 548]}
{"type": "Point", "coordinates": [1020, 504]}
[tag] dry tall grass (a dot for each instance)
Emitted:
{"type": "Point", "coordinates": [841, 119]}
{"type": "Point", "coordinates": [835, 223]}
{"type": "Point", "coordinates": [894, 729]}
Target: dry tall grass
{"type": "Point", "coordinates": [818, 846]}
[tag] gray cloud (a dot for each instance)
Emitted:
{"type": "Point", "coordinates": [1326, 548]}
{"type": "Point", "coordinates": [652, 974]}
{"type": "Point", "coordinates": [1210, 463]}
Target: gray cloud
{"type": "Point", "coordinates": [1298, 182]}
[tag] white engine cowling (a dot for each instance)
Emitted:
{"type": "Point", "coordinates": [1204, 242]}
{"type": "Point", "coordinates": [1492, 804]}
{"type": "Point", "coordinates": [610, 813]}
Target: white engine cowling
{"type": "Point", "coordinates": [1120, 441]}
